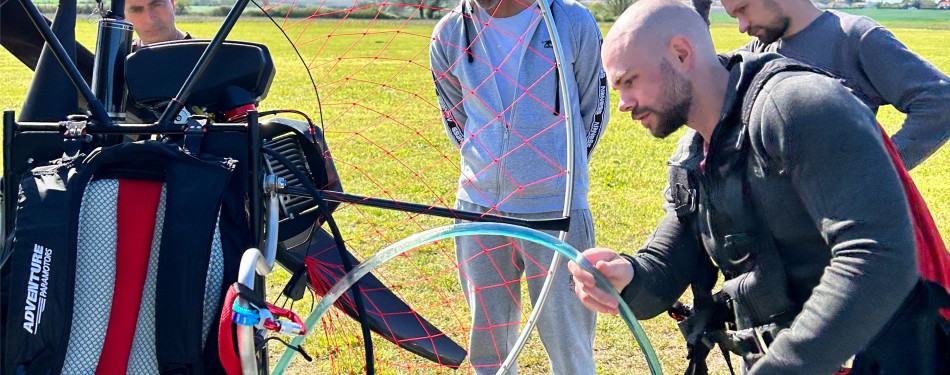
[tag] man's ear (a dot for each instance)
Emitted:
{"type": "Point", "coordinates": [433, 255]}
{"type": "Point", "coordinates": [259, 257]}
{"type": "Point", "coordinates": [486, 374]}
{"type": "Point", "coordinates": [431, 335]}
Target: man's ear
{"type": "Point", "coordinates": [682, 51]}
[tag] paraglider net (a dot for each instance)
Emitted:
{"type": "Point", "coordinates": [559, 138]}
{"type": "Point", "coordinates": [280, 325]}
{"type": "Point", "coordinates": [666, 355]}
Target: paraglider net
{"type": "Point", "coordinates": [384, 129]}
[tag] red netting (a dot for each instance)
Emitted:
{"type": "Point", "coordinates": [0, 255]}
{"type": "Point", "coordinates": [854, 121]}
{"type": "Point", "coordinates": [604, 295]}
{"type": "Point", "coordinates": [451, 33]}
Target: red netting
{"type": "Point", "coordinates": [370, 63]}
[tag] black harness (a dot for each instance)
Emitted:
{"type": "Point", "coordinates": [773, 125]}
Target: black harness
{"type": "Point", "coordinates": [713, 320]}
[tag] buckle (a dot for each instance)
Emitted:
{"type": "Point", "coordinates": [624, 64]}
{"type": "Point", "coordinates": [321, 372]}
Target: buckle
{"type": "Point", "coordinates": [750, 343]}
{"type": "Point", "coordinates": [75, 134]}
{"type": "Point", "coordinates": [75, 126]}
{"type": "Point", "coordinates": [765, 335]}
{"type": "Point", "coordinates": [684, 199]}
{"type": "Point", "coordinates": [267, 316]}
{"type": "Point", "coordinates": [194, 132]}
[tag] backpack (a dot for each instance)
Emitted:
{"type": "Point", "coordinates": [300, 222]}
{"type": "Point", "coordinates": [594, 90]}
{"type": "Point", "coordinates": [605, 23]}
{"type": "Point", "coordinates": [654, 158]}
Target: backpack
{"type": "Point", "coordinates": [151, 227]}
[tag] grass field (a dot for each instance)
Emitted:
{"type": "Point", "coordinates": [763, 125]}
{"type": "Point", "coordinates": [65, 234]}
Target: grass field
{"type": "Point", "coordinates": [627, 171]}
{"type": "Point", "coordinates": [892, 18]}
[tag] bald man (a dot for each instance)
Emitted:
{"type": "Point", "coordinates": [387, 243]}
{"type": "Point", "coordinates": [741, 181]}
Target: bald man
{"type": "Point", "coordinates": [812, 235]}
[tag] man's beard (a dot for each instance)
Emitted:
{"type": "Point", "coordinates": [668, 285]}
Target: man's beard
{"type": "Point", "coordinates": [775, 29]}
{"type": "Point", "coordinates": [772, 32]}
{"type": "Point", "coordinates": [675, 102]}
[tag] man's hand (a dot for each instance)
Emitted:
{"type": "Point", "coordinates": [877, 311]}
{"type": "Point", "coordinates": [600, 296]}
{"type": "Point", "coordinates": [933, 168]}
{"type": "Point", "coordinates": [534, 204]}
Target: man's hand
{"type": "Point", "coordinates": [618, 270]}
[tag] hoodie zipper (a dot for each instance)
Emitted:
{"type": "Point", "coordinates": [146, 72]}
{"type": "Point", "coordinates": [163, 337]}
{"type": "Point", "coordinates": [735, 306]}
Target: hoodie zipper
{"type": "Point", "coordinates": [466, 10]}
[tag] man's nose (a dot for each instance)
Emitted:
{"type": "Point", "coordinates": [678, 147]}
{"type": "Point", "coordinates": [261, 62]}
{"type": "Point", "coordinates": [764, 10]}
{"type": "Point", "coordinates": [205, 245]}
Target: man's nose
{"type": "Point", "coordinates": [626, 103]}
{"type": "Point", "coordinates": [743, 25]}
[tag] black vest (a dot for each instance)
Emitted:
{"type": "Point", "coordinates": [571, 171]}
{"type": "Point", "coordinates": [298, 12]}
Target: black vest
{"type": "Point", "coordinates": [730, 219]}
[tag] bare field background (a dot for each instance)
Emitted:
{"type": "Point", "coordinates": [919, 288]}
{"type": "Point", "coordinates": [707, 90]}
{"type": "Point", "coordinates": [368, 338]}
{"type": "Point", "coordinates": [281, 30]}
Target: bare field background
{"type": "Point", "coordinates": [627, 172]}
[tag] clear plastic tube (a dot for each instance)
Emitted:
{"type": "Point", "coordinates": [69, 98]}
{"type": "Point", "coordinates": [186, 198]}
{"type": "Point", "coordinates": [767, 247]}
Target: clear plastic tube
{"type": "Point", "coordinates": [471, 229]}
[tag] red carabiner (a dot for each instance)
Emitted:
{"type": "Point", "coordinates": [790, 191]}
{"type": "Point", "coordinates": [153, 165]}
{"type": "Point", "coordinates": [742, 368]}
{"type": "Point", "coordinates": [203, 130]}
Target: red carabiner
{"type": "Point", "coordinates": [293, 327]}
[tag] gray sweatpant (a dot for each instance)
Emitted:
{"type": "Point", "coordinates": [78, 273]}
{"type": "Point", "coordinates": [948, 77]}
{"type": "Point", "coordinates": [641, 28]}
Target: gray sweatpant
{"type": "Point", "coordinates": [490, 271]}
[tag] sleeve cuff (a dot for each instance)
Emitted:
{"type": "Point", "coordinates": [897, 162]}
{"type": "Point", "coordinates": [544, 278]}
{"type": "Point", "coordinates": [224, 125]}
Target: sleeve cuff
{"type": "Point", "coordinates": [628, 291]}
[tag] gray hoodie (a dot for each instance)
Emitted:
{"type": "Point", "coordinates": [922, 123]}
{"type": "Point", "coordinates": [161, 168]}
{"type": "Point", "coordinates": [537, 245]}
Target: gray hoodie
{"type": "Point", "coordinates": [520, 167]}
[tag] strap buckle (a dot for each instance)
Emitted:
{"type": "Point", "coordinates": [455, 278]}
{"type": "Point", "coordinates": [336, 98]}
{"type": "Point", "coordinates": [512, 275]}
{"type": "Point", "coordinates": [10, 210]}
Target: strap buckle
{"type": "Point", "coordinates": [267, 316]}
{"type": "Point", "coordinates": [750, 343]}
{"type": "Point", "coordinates": [765, 335]}
{"type": "Point", "coordinates": [685, 199]}
{"type": "Point", "coordinates": [194, 133]}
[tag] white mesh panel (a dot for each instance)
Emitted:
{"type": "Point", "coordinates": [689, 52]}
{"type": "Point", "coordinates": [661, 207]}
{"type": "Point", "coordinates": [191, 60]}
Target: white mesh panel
{"type": "Point", "coordinates": [142, 359]}
{"type": "Point", "coordinates": [212, 312]}
{"type": "Point", "coordinates": [95, 277]}
{"type": "Point", "coordinates": [95, 285]}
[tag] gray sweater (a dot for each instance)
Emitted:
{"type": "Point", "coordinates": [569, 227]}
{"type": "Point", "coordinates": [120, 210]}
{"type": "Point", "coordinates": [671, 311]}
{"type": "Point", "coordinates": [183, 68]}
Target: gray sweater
{"type": "Point", "coordinates": [882, 70]}
{"type": "Point", "coordinates": [824, 185]}
{"type": "Point", "coordinates": [520, 166]}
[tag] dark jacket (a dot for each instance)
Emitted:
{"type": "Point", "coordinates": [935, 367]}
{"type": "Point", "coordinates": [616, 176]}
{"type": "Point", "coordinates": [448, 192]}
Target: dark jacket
{"type": "Point", "coordinates": [806, 195]}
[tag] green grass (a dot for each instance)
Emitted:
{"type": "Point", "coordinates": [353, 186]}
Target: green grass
{"type": "Point", "coordinates": [892, 18]}
{"type": "Point", "coordinates": [627, 171]}
{"type": "Point", "coordinates": [899, 18]}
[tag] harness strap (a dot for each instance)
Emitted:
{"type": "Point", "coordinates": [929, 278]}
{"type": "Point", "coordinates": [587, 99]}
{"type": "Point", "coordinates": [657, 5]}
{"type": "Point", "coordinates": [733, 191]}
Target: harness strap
{"type": "Point", "coordinates": [714, 312]}
{"type": "Point", "coordinates": [704, 327]}
{"type": "Point", "coordinates": [227, 347]}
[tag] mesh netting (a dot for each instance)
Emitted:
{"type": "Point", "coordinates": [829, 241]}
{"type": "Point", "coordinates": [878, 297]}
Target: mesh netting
{"type": "Point", "coordinates": [389, 139]}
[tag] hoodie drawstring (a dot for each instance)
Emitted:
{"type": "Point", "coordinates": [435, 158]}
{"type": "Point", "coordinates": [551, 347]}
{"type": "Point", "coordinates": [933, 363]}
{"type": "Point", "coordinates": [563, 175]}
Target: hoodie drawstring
{"type": "Point", "coordinates": [468, 39]}
{"type": "Point", "coordinates": [471, 55]}
{"type": "Point", "coordinates": [557, 92]}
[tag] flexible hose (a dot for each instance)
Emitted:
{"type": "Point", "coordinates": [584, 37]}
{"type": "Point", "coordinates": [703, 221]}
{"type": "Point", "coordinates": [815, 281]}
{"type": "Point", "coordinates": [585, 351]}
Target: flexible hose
{"type": "Point", "coordinates": [472, 229]}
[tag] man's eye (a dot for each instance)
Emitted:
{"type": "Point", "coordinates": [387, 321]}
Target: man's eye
{"type": "Point", "coordinates": [629, 81]}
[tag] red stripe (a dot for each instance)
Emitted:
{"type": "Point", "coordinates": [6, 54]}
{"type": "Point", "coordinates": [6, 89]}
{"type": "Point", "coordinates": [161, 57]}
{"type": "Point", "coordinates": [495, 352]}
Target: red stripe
{"type": "Point", "coordinates": [135, 220]}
